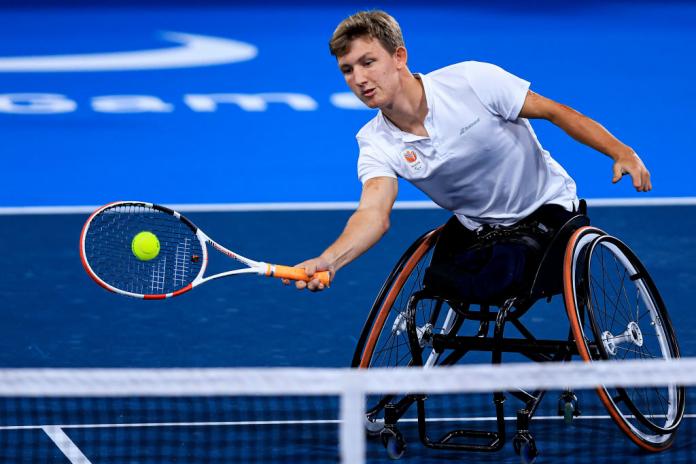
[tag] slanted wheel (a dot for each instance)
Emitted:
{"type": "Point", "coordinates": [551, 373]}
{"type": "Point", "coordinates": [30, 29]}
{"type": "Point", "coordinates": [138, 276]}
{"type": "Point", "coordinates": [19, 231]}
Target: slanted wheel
{"type": "Point", "coordinates": [394, 443]}
{"type": "Point", "coordinates": [373, 425]}
{"type": "Point", "coordinates": [525, 447]}
{"type": "Point", "coordinates": [616, 312]}
{"type": "Point", "coordinates": [384, 341]}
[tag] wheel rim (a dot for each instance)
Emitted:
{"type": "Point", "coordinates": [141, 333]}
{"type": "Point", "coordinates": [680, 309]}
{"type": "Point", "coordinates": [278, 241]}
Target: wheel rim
{"type": "Point", "coordinates": [629, 321]}
{"type": "Point", "coordinates": [605, 329]}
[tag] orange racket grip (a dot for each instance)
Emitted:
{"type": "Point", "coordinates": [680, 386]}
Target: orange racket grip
{"type": "Point", "coordinates": [297, 273]}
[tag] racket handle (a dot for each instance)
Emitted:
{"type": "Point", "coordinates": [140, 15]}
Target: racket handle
{"type": "Point", "coordinates": [297, 273]}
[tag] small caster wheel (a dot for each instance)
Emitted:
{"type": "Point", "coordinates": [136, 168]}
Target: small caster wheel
{"type": "Point", "coordinates": [525, 447]}
{"type": "Point", "coordinates": [568, 407]}
{"type": "Point", "coordinates": [373, 426]}
{"type": "Point", "coordinates": [393, 442]}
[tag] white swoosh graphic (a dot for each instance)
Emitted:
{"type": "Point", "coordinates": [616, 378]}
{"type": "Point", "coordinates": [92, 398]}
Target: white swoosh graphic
{"type": "Point", "coordinates": [195, 50]}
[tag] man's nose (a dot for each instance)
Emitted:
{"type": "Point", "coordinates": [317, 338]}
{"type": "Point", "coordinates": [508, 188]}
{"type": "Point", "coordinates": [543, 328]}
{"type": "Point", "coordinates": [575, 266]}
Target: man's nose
{"type": "Point", "coordinates": [359, 76]}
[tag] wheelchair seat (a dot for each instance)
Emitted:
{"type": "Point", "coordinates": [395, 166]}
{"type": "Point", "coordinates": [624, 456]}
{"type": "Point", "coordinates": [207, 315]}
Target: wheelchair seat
{"type": "Point", "coordinates": [541, 280]}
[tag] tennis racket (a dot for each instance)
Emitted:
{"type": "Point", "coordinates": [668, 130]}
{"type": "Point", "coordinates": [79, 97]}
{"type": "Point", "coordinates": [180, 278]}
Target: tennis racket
{"type": "Point", "coordinates": [107, 256]}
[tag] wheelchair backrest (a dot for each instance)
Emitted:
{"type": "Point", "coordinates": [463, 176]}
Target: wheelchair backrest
{"type": "Point", "coordinates": [548, 279]}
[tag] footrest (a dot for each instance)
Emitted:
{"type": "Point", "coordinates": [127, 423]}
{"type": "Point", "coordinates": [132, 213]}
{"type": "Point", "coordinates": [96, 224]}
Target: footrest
{"type": "Point", "coordinates": [493, 441]}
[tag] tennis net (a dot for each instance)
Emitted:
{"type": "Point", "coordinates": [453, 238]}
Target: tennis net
{"type": "Point", "coordinates": [93, 416]}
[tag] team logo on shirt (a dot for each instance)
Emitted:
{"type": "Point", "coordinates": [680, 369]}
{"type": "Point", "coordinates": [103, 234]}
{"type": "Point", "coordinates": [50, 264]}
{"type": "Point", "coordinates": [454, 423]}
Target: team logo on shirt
{"type": "Point", "coordinates": [411, 157]}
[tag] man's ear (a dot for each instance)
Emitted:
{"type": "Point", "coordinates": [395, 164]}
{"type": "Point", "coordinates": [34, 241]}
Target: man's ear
{"type": "Point", "coordinates": [401, 57]}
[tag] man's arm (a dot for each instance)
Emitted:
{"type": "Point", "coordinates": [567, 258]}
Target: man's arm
{"type": "Point", "coordinates": [592, 134]}
{"type": "Point", "coordinates": [364, 228]}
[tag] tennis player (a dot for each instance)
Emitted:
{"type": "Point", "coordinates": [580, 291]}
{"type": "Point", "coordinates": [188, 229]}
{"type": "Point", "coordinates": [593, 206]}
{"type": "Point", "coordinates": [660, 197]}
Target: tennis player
{"type": "Point", "coordinates": [461, 134]}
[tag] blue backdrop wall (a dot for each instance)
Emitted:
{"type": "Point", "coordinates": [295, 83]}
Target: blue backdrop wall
{"type": "Point", "coordinates": [225, 103]}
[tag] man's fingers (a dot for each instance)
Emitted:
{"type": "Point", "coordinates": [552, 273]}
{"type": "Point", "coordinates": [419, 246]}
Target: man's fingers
{"type": "Point", "coordinates": [647, 185]}
{"type": "Point", "coordinates": [641, 180]}
{"type": "Point", "coordinates": [311, 267]}
{"type": "Point", "coordinates": [314, 285]}
{"type": "Point", "coordinates": [640, 177]}
{"type": "Point", "coordinates": [633, 166]}
{"type": "Point", "coordinates": [618, 172]}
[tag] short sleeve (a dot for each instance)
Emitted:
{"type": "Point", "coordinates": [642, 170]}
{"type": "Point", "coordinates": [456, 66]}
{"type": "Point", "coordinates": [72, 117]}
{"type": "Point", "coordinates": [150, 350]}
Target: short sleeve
{"type": "Point", "coordinates": [371, 162]}
{"type": "Point", "coordinates": [501, 92]}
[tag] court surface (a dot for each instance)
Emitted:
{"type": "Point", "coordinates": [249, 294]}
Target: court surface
{"type": "Point", "coordinates": [274, 124]}
{"type": "Point", "coordinates": [55, 316]}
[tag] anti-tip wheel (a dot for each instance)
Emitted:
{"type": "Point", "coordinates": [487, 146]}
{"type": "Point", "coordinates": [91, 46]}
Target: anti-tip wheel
{"type": "Point", "coordinates": [394, 443]}
{"type": "Point", "coordinates": [373, 426]}
{"type": "Point", "coordinates": [525, 446]}
{"type": "Point", "coordinates": [568, 407]}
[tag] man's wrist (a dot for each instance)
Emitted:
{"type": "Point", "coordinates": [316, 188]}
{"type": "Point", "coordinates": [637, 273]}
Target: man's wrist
{"type": "Point", "coordinates": [626, 152]}
{"type": "Point", "coordinates": [329, 259]}
{"type": "Point", "coordinates": [334, 262]}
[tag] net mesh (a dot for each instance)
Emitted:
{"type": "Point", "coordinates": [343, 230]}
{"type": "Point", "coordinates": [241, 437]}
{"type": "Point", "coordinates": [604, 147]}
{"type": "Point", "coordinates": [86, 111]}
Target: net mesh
{"type": "Point", "coordinates": [318, 415]}
{"type": "Point", "coordinates": [109, 253]}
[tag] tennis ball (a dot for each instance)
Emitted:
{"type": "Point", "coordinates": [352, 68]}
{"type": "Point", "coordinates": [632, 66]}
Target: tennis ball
{"type": "Point", "coordinates": [145, 246]}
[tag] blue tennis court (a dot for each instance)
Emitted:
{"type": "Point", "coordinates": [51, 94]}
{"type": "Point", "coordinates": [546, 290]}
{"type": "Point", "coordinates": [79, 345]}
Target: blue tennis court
{"type": "Point", "coordinates": [270, 128]}
{"type": "Point", "coordinates": [57, 317]}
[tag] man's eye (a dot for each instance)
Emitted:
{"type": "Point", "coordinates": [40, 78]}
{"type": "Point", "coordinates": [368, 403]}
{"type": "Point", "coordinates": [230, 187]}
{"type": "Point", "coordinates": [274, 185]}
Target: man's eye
{"type": "Point", "coordinates": [369, 62]}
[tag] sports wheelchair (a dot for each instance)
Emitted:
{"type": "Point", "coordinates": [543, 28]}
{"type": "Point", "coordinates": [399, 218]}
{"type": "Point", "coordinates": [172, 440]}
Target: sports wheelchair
{"type": "Point", "coordinates": [414, 322]}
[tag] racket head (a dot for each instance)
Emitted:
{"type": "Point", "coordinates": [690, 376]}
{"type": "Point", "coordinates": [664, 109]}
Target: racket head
{"type": "Point", "coordinates": [107, 256]}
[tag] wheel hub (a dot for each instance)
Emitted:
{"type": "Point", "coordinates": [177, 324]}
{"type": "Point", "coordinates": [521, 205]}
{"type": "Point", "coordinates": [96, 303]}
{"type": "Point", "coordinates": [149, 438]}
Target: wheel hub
{"type": "Point", "coordinates": [399, 325]}
{"type": "Point", "coordinates": [632, 335]}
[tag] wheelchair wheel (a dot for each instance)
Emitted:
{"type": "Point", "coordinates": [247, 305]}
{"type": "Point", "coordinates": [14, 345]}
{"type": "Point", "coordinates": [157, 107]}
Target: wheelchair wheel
{"type": "Point", "coordinates": [387, 337]}
{"type": "Point", "coordinates": [616, 313]}
{"type": "Point", "coordinates": [384, 340]}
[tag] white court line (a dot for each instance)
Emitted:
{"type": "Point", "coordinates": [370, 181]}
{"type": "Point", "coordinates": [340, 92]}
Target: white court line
{"type": "Point", "coordinates": [285, 422]}
{"type": "Point", "coordinates": [174, 424]}
{"type": "Point", "coordinates": [66, 445]}
{"type": "Point", "coordinates": [325, 206]}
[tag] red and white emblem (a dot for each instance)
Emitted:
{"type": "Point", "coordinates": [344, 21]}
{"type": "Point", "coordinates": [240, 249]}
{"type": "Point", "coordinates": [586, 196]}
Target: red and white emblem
{"type": "Point", "coordinates": [410, 155]}
{"type": "Point", "coordinates": [412, 158]}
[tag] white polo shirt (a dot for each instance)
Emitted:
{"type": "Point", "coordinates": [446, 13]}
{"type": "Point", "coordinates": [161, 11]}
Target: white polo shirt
{"type": "Point", "coordinates": [480, 160]}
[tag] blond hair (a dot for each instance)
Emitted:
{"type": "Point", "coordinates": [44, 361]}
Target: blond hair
{"type": "Point", "coordinates": [375, 24]}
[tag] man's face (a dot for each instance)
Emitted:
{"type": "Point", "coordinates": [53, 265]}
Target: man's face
{"type": "Point", "coordinates": [370, 71]}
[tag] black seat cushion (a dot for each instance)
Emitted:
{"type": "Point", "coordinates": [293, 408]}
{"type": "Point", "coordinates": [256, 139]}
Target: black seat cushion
{"type": "Point", "coordinates": [494, 264]}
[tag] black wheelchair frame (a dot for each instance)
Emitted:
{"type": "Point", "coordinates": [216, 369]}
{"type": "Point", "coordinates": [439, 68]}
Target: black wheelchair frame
{"type": "Point", "coordinates": [575, 245]}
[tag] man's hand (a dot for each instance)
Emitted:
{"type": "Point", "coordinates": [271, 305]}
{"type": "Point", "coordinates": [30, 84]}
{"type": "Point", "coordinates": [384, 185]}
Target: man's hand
{"type": "Point", "coordinates": [632, 165]}
{"type": "Point", "coordinates": [311, 266]}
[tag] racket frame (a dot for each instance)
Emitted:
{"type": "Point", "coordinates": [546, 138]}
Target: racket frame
{"type": "Point", "coordinates": [253, 267]}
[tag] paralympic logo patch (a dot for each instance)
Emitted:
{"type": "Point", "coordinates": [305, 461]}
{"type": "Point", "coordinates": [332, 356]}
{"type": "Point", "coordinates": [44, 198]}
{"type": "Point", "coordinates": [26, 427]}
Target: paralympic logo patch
{"type": "Point", "coordinates": [193, 51]}
{"type": "Point", "coordinates": [411, 157]}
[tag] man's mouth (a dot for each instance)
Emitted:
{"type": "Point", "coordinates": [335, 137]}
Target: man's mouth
{"type": "Point", "coordinates": [368, 93]}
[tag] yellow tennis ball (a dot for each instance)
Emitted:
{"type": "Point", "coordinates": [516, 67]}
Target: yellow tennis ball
{"type": "Point", "coordinates": [145, 246]}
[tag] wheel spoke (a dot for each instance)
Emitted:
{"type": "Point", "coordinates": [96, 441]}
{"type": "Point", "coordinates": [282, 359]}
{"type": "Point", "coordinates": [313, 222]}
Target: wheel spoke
{"type": "Point", "coordinates": [622, 291]}
{"type": "Point", "coordinates": [628, 350]}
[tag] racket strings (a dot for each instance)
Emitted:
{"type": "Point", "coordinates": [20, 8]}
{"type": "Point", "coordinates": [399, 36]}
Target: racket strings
{"type": "Point", "coordinates": [108, 250]}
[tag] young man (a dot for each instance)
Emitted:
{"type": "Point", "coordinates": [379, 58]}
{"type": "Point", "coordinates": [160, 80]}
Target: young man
{"type": "Point", "coordinates": [460, 134]}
